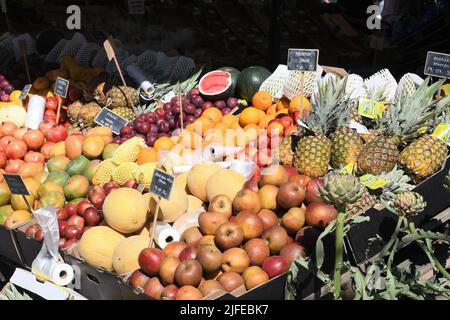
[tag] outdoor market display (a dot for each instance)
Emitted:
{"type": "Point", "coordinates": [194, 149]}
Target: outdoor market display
{"type": "Point", "coordinates": [265, 166]}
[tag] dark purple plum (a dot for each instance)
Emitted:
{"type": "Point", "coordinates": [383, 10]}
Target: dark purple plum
{"type": "Point", "coordinates": [126, 130]}
{"type": "Point", "coordinates": [226, 111]}
{"type": "Point", "coordinates": [198, 101]}
{"type": "Point", "coordinates": [167, 106]}
{"type": "Point", "coordinates": [160, 113]}
{"type": "Point", "coordinates": [150, 117]}
{"type": "Point", "coordinates": [151, 140]}
{"type": "Point", "coordinates": [172, 124]}
{"type": "Point", "coordinates": [190, 109]}
{"type": "Point", "coordinates": [189, 119]}
{"type": "Point", "coordinates": [232, 103]}
{"type": "Point", "coordinates": [220, 104]}
{"type": "Point", "coordinates": [194, 92]}
{"type": "Point", "coordinates": [116, 140]}
{"type": "Point", "coordinates": [9, 89]}
{"type": "Point", "coordinates": [207, 105]}
{"type": "Point", "coordinates": [4, 84]}
{"type": "Point", "coordinates": [164, 135]}
{"type": "Point", "coordinates": [141, 118]}
{"type": "Point", "coordinates": [176, 110]}
{"type": "Point", "coordinates": [154, 130]}
{"type": "Point", "coordinates": [165, 127]}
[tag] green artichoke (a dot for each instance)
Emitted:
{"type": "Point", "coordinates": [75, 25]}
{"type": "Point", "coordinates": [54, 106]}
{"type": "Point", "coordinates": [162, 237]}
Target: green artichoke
{"type": "Point", "coordinates": [408, 203]}
{"type": "Point", "coordinates": [341, 189]}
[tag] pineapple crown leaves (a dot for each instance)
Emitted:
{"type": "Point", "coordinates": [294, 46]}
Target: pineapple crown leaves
{"type": "Point", "coordinates": [397, 182]}
{"type": "Point", "coordinates": [409, 114]}
{"type": "Point", "coordinates": [330, 106]}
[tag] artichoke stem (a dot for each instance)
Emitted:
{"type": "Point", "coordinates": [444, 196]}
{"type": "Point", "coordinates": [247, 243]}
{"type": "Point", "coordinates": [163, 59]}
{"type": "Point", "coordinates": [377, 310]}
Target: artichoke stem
{"type": "Point", "coordinates": [339, 256]}
{"type": "Point", "coordinates": [434, 260]}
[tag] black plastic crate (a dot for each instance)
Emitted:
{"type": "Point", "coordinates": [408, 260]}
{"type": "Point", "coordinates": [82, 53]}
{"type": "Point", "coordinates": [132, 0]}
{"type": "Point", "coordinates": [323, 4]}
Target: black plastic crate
{"type": "Point", "coordinates": [9, 247]}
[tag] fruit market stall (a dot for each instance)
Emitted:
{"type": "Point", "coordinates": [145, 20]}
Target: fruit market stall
{"type": "Point", "coordinates": [147, 177]}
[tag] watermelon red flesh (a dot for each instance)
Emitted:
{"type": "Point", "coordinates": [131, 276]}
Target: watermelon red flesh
{"type": "Point", "coordinates": [216, 85]}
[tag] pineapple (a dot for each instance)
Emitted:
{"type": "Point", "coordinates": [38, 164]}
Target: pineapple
{"type": "Point", "coordinates": [285, 154]}
{"type": "Point", "coordinates": [313, 153]}
{"type": "Point", "coordinates": [83, 115]}
{"type": "Point", "coordinates": [400, 125]}
{"type": "Point", "coordinates": [125, 113]}
{"type": "Point", "coordinates": [346, 145]}
{"type": "Point", "coordinates": [363, 204]}
{"type": "Point", "coordinates": [122, 97]}
{"type": "Point", "coordinates": [425, 156]}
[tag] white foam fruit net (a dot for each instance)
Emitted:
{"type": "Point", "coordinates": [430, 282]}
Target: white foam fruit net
{"type": "Point", "coordinates": [73, 46]}
{"type": "Point", "coordinates": [355, 87]}
{"type": "Point", "coordinates": [409, 83]}
{"type": "Point", "coordinates": [100, 60]}
{"type": "Point", "coordinates": [6, 50]}
{"type": "Point", "coordinates": [275, 83]}
{"type": "Point", "coordinates": [30, 45]}
{"type": "Point", "coordinates": [183, 68]}
{"type": "Point", "coordinates": [55, 53]}
{"type": "Point", "coordinates": [293, 84]}
{"type": "Point", "coordinates": [382, 79]}
{"type": "Point", "coordinates": [86, 53]}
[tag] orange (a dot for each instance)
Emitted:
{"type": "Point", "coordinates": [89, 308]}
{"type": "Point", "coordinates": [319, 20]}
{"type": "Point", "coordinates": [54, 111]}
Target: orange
{"type": "Point", "coordinates": [203, 124]}
{"type": "Point", "coordinates": [147, 155]}
{"type": "Point", "coordinates": [272, 110]}
{"type": "Point", "coordinates": [265, 121]}
{"type": "Point", "coordinates": [41, 83]}
{"type": "Point", "coordinates": [250, 115]}
{"type": "Point", "coordinates": [190, 127]}
{"type": "Point", "coordinates": [275, 128]}
{"type": "Point", "coordinates": [213, 114]}
{"type": "Point", "coordinates": [229, 119]}
{"type": "Point", "coordinates": [190, 139]}
{"type": "Point", "coordinates": [163, 143]}
{"type": "Point", "coordinates": [295, 105]}
{"type": "Point", "coordinates": [262, 100]}
{"type": "Point", "coordinates": [14, 96]}
{"type": "Point", "coordinates": [235, 125]}
{"type": "Point", "coordinates": [221, 126]}
{"type": "Point", "coordinates": [283, 103]}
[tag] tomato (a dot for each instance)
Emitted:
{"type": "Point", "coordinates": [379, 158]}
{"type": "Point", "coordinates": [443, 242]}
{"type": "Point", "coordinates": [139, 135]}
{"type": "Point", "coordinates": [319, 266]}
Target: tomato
{"type": "Point", "coordinates": [34, 139]}
{"type": "Point", "coordinates": [34, 157]}
{"type": "Point", "coordinates": [16, 150]}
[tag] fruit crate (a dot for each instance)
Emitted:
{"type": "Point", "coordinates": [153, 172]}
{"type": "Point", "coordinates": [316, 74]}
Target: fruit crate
{"type": "Point", "coordinates": [382, 223]}
{"type": "Point", "coordinates": [94, 284]}
{"type": "Point", "coordinates": [9, 247]}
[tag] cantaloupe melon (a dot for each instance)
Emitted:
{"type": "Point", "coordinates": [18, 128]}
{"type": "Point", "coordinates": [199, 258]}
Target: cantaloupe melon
{"type": "Point", "coordinates": [125, 210]}
{"type": "Point", "coordinates": [97, 246]}
{"type": "Point", "coordinates": [176, 206]}
{"type": "Point", "coordinates": [13, 113]}
{"type": "Point", "coordinates": [183, 179]}
{"type": "Point", "coordinates": [224, 181]}
{"type": "Point", "coordinates": [194, 203]}
{"type": "Point", "coordinates": [125, 257]}
{"type": "Point", "coordinates": [198, 176]}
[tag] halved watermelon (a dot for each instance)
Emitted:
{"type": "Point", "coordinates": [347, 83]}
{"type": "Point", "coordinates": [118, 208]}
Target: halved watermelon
{"type": "Point", "coordinates": [234, 76]}
{"type": "Point", "coordinates": [216, 85]}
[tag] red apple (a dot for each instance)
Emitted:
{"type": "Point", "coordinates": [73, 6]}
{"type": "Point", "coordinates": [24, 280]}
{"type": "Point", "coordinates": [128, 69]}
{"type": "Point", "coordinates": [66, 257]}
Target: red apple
{"type": "Point", "coordinates": [92, 217]}
{"type": "Point", "coordinates": [189, 273]}
{"type": "Point", "coordinates": [320, 215]}
{"type": "Point", "coordinates": [302, 180]}
{"type": "Point", "coordinates": [76, 221]}
{"type": "Point", "coordinates": [138, 279]}
{"type": "Point", "coordinates": [62, 214]}
{"type": "Point", "coordinates": [73, 232]}
{"type": "Point", "coordinates": [153, 288]}
{"type": "Point", "coordinates": [307, 237]}
{"type": "Point", "coordinates": [82, 206]}
{"type": "Point", "coordinates": [169, 292]}
{"type": "Point", "coordinates": [71, 209]}
{"type": "Point", "coordinates": [257, 250]}
{"type": "Point", "coordinates": [150, 260]}
{"type": "Point", "coordinates": [62, 226]}
{"type": "Point", "coordinates": [188, 253]}
{"type": "Point", "coordinates": [290, 195]}
{"type": "Point", "coordinates": [275, 266]}
{"type": "Point", "coordinates": [173, 249]}
{"type": "Point", "coordinates": [97, 196]}
{"type": "Point", "coordinates": [312, 191]}
{"type": "Point", "coordinates": [291, 171]}
{"type": "Point", "coordinates": [269, 218]}
{"type": "Point", "coordinates": [292, 251]}
{"type": "Point", "coordinates": [56, 134]}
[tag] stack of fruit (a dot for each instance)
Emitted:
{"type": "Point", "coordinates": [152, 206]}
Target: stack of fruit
{"type": "Point", "coordinates": [5, 89]}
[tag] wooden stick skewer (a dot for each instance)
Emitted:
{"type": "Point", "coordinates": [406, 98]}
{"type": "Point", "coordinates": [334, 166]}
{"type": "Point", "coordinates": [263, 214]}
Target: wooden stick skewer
{"type": "Point", "coordinates": [155, 221]}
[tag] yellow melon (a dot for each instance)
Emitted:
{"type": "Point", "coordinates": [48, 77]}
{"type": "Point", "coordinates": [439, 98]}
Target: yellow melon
{"type": "Point", "coordinates": [176, 206]}
{"type": "Point", "coordinates": [125, 257]}
{"type": "Point", "coordinates": [198, 176]}
{"type": "Point", "coordinates": [194, 203]}
{"type": "Point", "coordinates": [14, 113]}
{"type": "Point", "coordinates": [224, 181]}
{"type": "Point", "coordinates": [183, 179]}
{"type": "Point", "coordinates": [125, 210]}
{"type": "Point", "coordinates": [97, 246]}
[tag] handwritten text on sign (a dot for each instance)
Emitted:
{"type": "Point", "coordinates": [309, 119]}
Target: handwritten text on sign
{"type": "Point", "coordinates": [437, 65]}
{"type": "Point", "coordinates": [61, 87]}
{"type": "Point", "coordinates": [110, 119]}
{"type": "Point", "coordinates": [16, 184]}
{"type": "Point", "coordinates": [161, 184]}
{"type": "Point", "coordinates": [303, 59]}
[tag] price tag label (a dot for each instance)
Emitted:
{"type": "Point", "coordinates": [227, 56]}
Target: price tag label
{"type": "Point", "coordinates": [110, 119]}
{"type": "Point", "coordinates": [161, 184]}
{"type": "Point", "coordinates": [109, 48]}
{"type": "Point", "coordinates": [371, 109]}
{"type": "Point", "coordinates": [16, 184]}
{"type": "Point", "coordinates": [442, 132]}
{"type": "Point", "coordinates": [349, 168]}
{"type": "Point", "coordinates": [25, 92]}
{"type": "Point", "coordinates": [437, 65]}
{"type": "Point", "coordinates": [61, 87]}
{"type": "Point", "coordinates": [303, 59]}
{"type": "Point", "coordinates": [372, 182]}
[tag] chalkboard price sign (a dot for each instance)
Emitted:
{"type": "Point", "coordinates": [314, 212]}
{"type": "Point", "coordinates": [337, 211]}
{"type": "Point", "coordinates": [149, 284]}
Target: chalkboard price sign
{"type": "Point", "coordinates": [437, 65]}
{"type": "Point", "coordinates": [16, 184]}
{"type": "Point", "coordinates": [61, 87]}
{"type": "Point", "coordinates": [25, 92]}
{"type": "Point", "coordinates": [110, 119]}
{"type": "Point", "coordinates": [303, 59]}
{"type": "Point", "coordinates": [161, 184]}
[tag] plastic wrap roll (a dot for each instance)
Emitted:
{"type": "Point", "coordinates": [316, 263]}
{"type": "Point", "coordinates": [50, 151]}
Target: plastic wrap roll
{"type": "Point", "coordinates": [57, 272]}
{"type": "Point", "coordinates": [35, 114]}
{"type": "Point", "coordinates": [165, 234]}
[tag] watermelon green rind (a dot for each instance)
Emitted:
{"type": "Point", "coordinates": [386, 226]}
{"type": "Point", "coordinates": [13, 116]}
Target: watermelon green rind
{"type": "Point", "coordinates": [250, 80]}
{"type": "Point", "coordinates": [221, 94]}
{"type": "Point", "coordinates": [234, 77]}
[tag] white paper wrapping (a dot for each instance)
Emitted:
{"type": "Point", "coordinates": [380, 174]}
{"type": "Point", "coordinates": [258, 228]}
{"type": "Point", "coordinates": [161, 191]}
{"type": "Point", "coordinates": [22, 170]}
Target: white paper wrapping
{"type": "Point", "coordinates": [35, 114]}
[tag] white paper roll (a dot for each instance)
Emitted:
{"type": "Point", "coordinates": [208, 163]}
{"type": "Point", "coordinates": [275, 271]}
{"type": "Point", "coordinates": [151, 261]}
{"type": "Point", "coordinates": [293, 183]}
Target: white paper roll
{"type": "Point", "coordinates": [35, 114]}
{"type": "Point", "coordinates": [57, 272]}
{"type": "Point", "coordinates": [165, 234]}
{"type": "Point", "coordinates": [246, 169]}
